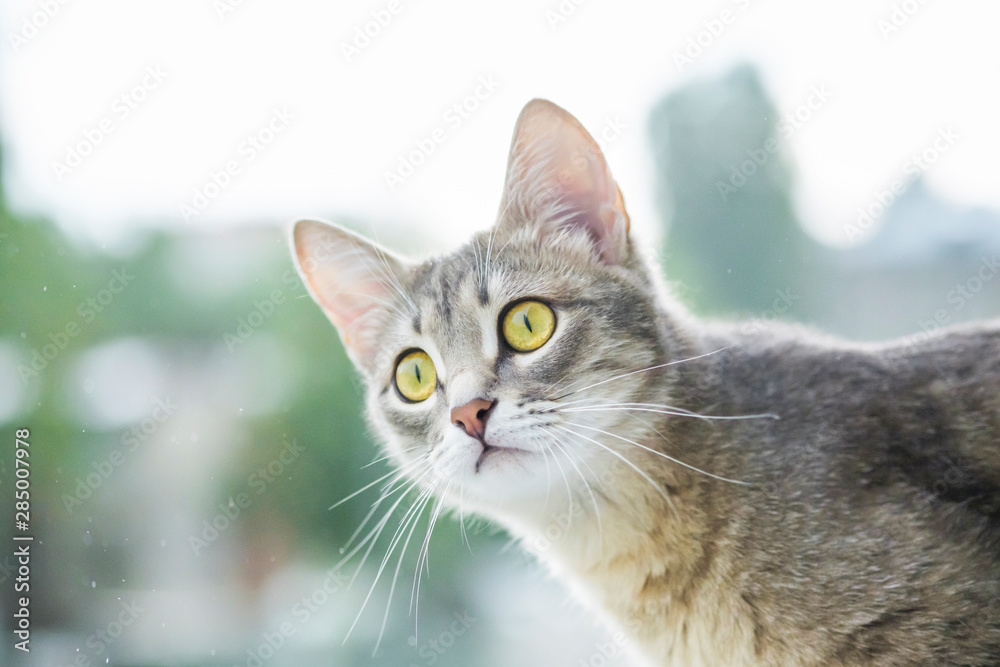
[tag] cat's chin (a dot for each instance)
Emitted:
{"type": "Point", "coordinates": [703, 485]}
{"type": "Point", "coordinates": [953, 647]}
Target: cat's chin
{"type": "Point", "coordinates": [499, 456]}
{"type": "Point", "coordinates": [493, 472]}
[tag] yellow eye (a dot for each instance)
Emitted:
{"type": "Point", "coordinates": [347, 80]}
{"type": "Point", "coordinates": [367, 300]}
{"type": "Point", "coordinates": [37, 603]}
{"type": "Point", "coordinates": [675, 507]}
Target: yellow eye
{"type": "Point", "coordinates": [416, 376]}
{"type": "Point", "coordinates": [528, 325]}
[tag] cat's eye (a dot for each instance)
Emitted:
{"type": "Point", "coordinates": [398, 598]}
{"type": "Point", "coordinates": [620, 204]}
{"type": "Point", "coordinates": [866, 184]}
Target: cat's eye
{"type": "Point", "coordinates": [416, 376]}
{"type": "Point", "coordinates": [527, 325]}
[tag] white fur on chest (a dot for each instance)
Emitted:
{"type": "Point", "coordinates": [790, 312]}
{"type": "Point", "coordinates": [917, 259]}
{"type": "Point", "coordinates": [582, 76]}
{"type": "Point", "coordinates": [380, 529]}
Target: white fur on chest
{"type": "Point", "coordinates": [705, 630]}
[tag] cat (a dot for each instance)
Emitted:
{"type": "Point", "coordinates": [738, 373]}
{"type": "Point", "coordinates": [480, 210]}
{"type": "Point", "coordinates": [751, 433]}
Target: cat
{"type": "Point", "coordinates": [734, 496]}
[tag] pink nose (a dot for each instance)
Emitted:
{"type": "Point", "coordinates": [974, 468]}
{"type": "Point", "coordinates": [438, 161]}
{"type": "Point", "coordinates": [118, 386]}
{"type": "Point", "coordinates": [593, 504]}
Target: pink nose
{"type": "Point", "coordinates": [472, 416]}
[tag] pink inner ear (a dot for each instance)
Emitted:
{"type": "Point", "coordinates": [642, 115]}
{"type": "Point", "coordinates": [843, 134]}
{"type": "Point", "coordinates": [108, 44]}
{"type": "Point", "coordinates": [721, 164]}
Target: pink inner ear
{"type": "Point", "coordinates": [557, 175]}
{"type": "Point", "coordinates": [347, 311]}
{"type": "Point", "coordinates": [350, 278]}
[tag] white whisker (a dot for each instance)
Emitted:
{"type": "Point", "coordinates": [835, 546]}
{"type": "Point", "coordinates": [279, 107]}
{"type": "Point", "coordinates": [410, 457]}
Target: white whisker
{"type": "Point", "coordinates": [424, 555]}
{"type": "Point", "coordinates": [376, 531]}
{"type": "Point", "coordinates": [569, 492]}
{"type": "Point", "coordinates": [661, 409]}
{"type": "Point", "coordinates": [392, 588]}
{"type": "Point", "coordinates": [639, 470]}
{"type": "Point", "coordinates": [400, 472]}
{"type": "Point", "coordinates": [408, 518]}
{"type": "Point", "coordinates": [641, 370]}
{"type": "Point", "coordinates": [564, 447]}
{"type": "Point", "coordinates": [666, 456]}
{"type": "Point", "coordinates": [389, 456]}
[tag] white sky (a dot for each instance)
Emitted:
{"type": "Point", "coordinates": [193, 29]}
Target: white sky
{"type": "Point", "coordinates": [352, 120]}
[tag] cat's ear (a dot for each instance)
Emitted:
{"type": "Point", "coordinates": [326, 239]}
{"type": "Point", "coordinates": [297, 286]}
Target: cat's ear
{"type": "Point", "coordinates": [353, 280]}
{"type": "Point", "coordinates": [557, 177]}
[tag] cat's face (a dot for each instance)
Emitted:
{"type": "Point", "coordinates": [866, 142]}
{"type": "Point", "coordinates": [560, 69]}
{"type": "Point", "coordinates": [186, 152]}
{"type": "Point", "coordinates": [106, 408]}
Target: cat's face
{"type": "Point", "coordinates": [490, 371]}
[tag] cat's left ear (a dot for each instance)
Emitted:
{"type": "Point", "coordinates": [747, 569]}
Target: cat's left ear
{"type": "Point", "coordinates": [354, 281]}
{"type": "Point", "coordinates": [557, 177]}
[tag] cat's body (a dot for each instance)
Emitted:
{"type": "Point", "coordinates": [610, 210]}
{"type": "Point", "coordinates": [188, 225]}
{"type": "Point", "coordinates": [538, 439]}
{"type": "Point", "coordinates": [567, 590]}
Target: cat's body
{"type": "Point", "coordinates": [848, 515]}
{"type": "Point", "coordinates": [871, 532]}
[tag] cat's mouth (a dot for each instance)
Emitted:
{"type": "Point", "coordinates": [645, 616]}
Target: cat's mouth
{"type": "Point", "coordinates": [496, 453]}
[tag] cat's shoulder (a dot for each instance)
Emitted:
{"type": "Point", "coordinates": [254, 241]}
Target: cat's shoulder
{"type": "Point", "coordinates": [953, 346]}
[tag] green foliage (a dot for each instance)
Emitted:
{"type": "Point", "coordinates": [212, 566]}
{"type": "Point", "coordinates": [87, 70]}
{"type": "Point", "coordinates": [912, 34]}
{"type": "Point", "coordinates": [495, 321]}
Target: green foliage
{"type": "Point", "coordinates": [734, 241]}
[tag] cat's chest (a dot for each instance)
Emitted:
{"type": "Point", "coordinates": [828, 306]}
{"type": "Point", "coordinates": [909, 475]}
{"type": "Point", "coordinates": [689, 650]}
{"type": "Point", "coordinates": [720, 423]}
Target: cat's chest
{"type": "Point", "coordinates": [699, 628]}
{"type": "Point", "coordinates": [666, 624]}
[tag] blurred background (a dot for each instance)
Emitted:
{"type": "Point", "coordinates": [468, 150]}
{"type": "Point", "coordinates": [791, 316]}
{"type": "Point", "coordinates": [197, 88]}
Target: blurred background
{"type": "Point", "coordinates": [193, 416]}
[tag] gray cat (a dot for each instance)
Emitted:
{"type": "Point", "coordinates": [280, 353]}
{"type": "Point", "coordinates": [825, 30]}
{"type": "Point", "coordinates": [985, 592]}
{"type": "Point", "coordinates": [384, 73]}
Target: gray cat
{"type": "Point", "coordinates": [734, 496]}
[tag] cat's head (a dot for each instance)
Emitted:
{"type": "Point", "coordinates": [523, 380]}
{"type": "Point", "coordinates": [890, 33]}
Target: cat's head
{"type": "Point", "coordinates": [490, 370]}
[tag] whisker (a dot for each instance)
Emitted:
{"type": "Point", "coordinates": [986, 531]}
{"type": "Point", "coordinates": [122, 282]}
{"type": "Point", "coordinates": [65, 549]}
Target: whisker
{"type": "Point", "coordinates": [388, 273]}
{"type": "Point", "coordinates": [461, 519]}
{"type": "Point", "coordinates": [408, 519]}
{"type": "Point", "coordinates": [549, 390]}
{"type": "Point", "coordinates": [424, 556]}
{"type": "Point", "coordinates": [641, 472]}
{"type": "Point", "coordinates": [377, 530]}
{"type": "Point", "coordinates": [489, 252]}
{"type": "Point", "coordinates": [569, 492]}
{"type": "Point", "coordinates": [496, 227]}
{"type": "Point", "coordinates": [593, 499]}
{"type": "Point", "coordinates": [389, 456]}
{"type": "Point", "coordinates": [398, 471]}
{"type": "Point", "coordinates": [392, 588]}
{"type": "Point", "coordinates": [665, 410]}
{"type": "Point", "coordinates": [548, 468]}
{"type": "Point", "coordinates": [641, 370]}
{"type": "Point", "coordinates": [387, 492]}
{"type": "Point", "coordinates": [479, 263]}
{"type": "Point", "coordinates": [666, 456]}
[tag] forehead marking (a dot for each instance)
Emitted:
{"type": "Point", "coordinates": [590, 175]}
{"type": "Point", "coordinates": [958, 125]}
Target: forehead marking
{"type": "Point", "coordinates": [488, 325]}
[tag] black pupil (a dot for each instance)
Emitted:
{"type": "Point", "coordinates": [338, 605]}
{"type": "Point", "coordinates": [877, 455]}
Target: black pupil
{"type": "Point", "coordinates": [527, 323]}
{"type": "Point", "coordinates": [416, 370]}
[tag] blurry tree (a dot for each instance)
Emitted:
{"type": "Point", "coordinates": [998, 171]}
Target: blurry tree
{"type": "Point", "coordinates": [733, 240]}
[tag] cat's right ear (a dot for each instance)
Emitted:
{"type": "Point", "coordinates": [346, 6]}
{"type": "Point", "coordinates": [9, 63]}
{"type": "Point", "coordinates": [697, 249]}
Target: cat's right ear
{"type": "Point", "coordinates": [558, 179]}
{"type": "Point", "coordinates": [352, 279]}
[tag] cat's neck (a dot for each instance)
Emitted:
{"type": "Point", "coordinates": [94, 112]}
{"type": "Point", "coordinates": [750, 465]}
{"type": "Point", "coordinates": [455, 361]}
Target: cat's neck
{"type": "Point", "coordinates": [646, 563]}
{"type": "Point", "coordinates": [646, 549]}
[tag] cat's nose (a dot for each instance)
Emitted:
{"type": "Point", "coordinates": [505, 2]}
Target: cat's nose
{"type": "Point", "coordinates": [472, 416]}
